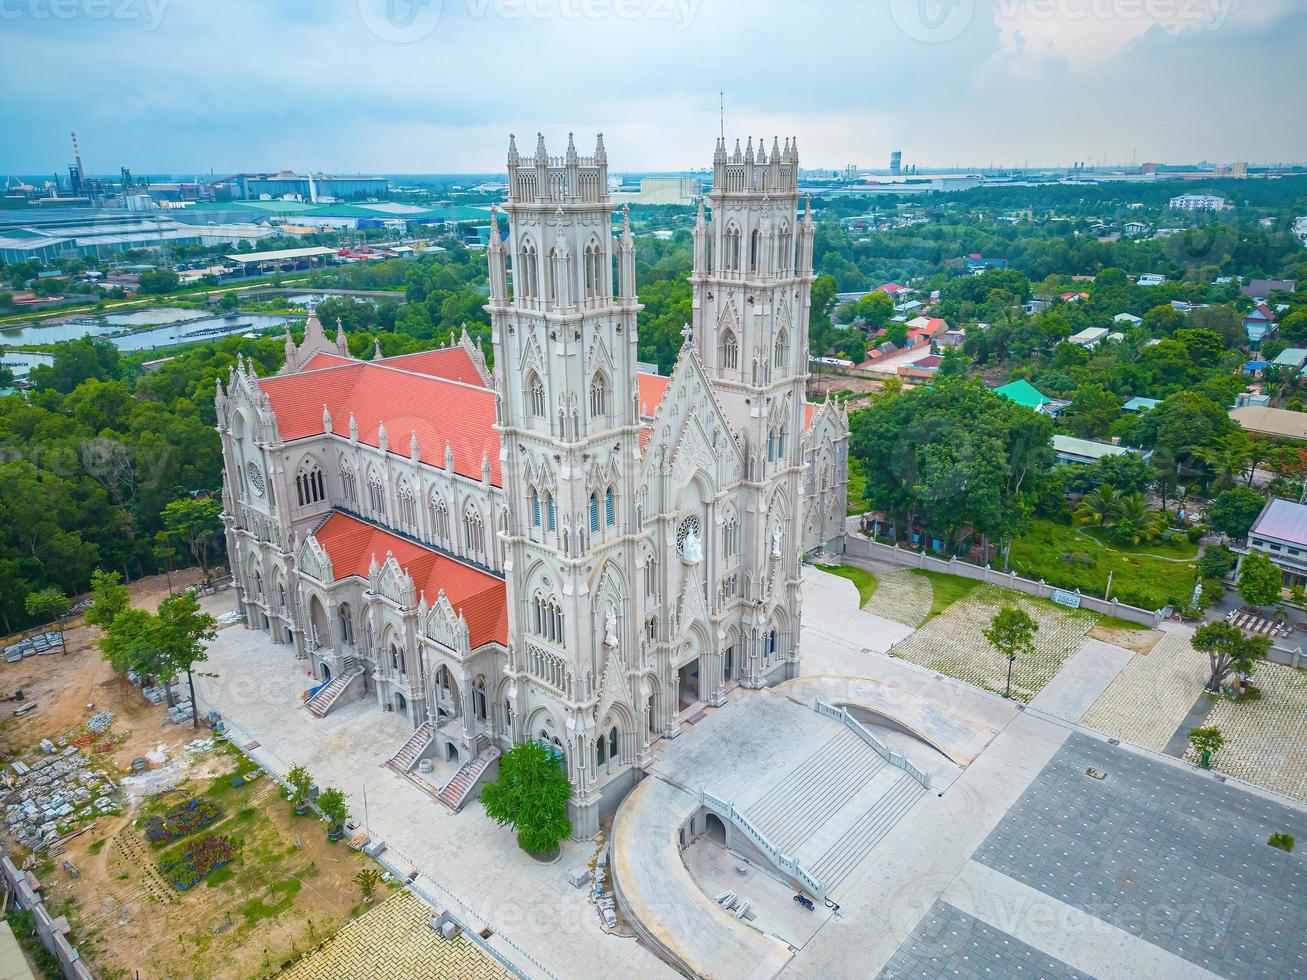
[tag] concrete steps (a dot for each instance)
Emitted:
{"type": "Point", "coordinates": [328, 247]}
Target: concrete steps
{"type": "Point", "coordinates": [406, 758]}
{"type": "Point", "coordinates": [458, 790]}
{"type": "Point", "coordinates": [864, 833]}
{"type": "Point", "coordinates": [323, 701]}
{"type": "Point", "coordinates": [801, 805]}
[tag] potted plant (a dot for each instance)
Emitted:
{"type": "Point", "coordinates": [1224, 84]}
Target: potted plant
{"type": "Point", "coordinates": [531, 794]}
{"type": "Point", "coordinates": [368, 879]}
{"type": "Point", "coordinates": [300, 784]}
{"type": "Point", "coordinates": [331, 803]}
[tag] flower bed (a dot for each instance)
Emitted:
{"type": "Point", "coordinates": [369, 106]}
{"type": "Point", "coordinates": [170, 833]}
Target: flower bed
{"type": "Point", "coordinates": [198, 860]}
{"type": "Point", "coordinates": [181, 820]}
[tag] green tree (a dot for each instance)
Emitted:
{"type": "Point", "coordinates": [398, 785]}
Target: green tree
{"type": "Point", "coordinates": [531, 795]}
{"type": "Point", "coordinates": [335, 809]}
{"type": "Point", "coordinates": [184, 633]}
{"type": "Point", "coordinates": [1227, 650]}
{"type": "Point", "coordinates": [1100, 507]}
{"type": "Point", "coordinates": [300, 784]}
{"type": "Point", "coordinates": [196, 523]}
{"type": "Point", "coordinates": [158, 281]}
{"type": "Point", "coordinates": [1235, 510]}
{"type": "Point", "coordinates": [874, 309]}
{"type": "Point", "coordinates": [367, 880]}
{"type": "Point", "coordinates": [48, 604]}
{"type": "Point", "coordinates": [1136, 522]}
{"type": "Point", "coordinates": [1093, 408]}
{"type": "Point", "coordinates": [1260, 581]}
{"type": "Point", "coordinates": [109, 597]}
{"type": "Point", "coordinates": [1206, 742]}
{"type": "Point", "coordinates": [1012, 633]}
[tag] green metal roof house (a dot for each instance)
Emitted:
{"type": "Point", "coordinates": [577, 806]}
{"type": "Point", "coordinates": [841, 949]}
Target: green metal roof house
{"type": "Point", "coordinates": [1024, 393]}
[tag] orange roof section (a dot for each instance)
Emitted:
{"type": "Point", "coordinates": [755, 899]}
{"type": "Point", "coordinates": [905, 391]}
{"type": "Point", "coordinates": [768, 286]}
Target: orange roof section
{"type": "Point", "coordinates": [652, 389]}
{"type": "Point", "coordinates": [451, 363]}
{"type": "Point", "coordinates": [481, 597]}
{"type": "Point", "coordinates": [440, 412]}
{"type": "Point", "coordinates": [322, 359]}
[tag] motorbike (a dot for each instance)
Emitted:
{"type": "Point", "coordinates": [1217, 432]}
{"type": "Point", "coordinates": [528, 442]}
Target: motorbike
{"type": "Point", "coordinates": [805, 901]}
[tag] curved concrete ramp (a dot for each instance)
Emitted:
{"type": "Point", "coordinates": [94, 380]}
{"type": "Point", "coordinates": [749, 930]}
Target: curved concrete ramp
{"type": "Point", "coordinates": [663, 904]}
{"type": "Point", "coordinates": [960, 739]}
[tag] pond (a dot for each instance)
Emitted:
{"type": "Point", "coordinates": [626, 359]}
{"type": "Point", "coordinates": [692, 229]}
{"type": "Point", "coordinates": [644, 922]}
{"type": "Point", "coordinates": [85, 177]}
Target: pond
{"type": "Point", "coordinates": [175, 326]}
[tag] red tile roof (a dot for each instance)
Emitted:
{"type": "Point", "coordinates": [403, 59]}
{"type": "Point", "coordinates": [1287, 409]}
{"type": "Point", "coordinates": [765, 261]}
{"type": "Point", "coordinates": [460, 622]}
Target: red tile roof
{"type": "Point", "coordinates": [452, 363]}
{"type": "Point", "coordinates": [323, 359]}
{"type": "Point", "coordinates": [652, 389]}
{"type": "Point", "coordinates": [438, 410]}
{"type": "Point", "coordinates": [352, 544]}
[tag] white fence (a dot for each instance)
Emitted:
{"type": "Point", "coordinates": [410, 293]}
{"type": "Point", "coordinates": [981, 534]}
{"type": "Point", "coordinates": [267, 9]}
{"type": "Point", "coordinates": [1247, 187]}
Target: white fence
{"type": "Point", "coordinates": [47, 930]}
{"type": "Point", "coordinates": [786, 864]}
{"type": "Point", "coordinates": [893, 758]}
{"type": "Point", "coordinates": [864, 548]}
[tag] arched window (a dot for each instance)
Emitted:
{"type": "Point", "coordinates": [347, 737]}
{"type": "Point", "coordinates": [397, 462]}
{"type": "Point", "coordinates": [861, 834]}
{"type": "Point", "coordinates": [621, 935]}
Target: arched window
{"type": "Point", "coordinates": [479, 698]}
{"type": "Point", "coordinates": [755, 249]}
{"type": "Point", "coordinates": [347, 483]}
{"type": "Point", "coordinates": [474, 536]}
{"type": "Point", "coordinates": [781, 350]}
{"type": "Point", "coordinates": [551, 522]}
{"type": "Point", "coordinates": [536, 396]}
{"type": "Point", "coordinates": [551, 275]}
{"type": "Point", "coordinates": [609, 516]}
{"type": "Point", "coordinates": [594, 513]}
{"type": "Point", "coordinates": [785, 243]}
{"type": "Point", "coordinates": [780, 442]}
{"type": "Point", "coordinates": [439, 520]}
{"type": "Point", "coordinates": [547, 618]}
{"type": "Point", "coordinates": [376, 494]}
{"type": "Point", "coordinates": [731, 249]}
{"type": "Point", "coordinates": [594, 271]}
{"type": "Point", "coordinates": [408, 505]}
{"type": "Point", "coordinates": [598, 395]}
{"type": "Point", "coordinates": [525, 282]}
{"type": "Point", "coordinates": [396, 657]}
{"type": "Point", "coordinates": [346, 624]}
{"type": "Point", "coordinates": [651, 576]}
{"type": "Point", "coordinates": [612, 742]}
{"type": "Point", "coordinates": [730, 537]}
{"type": "Point", "coordinates": [771, 445]}
{"type": "Point", "coordinates": [309, 488]}
{"type": "Point", "coordinates": [535, 508]}
{"type": "Point", "coordinates": [730, 350]}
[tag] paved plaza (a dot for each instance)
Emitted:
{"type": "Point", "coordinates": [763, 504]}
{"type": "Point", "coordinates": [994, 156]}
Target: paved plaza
{"type": "Point", "coordinates": [901, 597]}
{"type": "Point", "coordinates": [1016, 863]}
{"type": "Point", "coordinates": [413, 950]}
{"type": "Point", "coordinates": [1266, 739]}
{"type": "Point", "coordinates": [954, 643]}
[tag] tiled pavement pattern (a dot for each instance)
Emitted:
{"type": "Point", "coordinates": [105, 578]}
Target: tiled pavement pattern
{"type": "Point", "coordinates": [1150, 698]}
{"type": "Point", "coordinates": [1266, 740]}
{"type": "Point", "coordinates": [950, 943]}
{"type": "Point", "coordinates": [953, 643]}
{"type": "Point", "coordinates": [393, 940]}
{"type": "Point", "coordinates": [901, 596]}
{"type": "Point", "coordinates": [1168, 855]}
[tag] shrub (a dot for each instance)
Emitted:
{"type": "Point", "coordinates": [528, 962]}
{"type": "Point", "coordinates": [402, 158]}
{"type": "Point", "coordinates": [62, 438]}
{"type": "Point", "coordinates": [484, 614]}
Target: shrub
{"type": "Point", "coordinates": [1217, 563]}
{"type": "Point", "coordinates": [1284, 842]}
{"type": "Point", "coordinates": [181, 820]}
{"type": "Point", "coordinates": [1195, 533]}
{"type": "Point", "coordinates": [1213, 592]}
{"type": "Point", "coordinates": [199, 859]}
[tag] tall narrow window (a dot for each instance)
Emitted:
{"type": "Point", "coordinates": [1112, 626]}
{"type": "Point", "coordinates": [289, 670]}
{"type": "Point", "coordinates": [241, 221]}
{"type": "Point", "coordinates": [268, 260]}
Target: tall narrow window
{"type": "Point", "coordinates": [730, 350]}
{"type": "Point", "coordinates": [550, 518]}
{"type": "Point", "coordinates": [536, 396]}
{"type": "Point", "coordinates": [594, 513]}
{"type": "Point", "coordinates": [781, 350]}
{"type": "Point", "coordinates": [535, 508]}
{"type": "Point", "coordinates": [608, 506]}
{"type": "Point", "coordinates": [598, 395]}
{"type": "Point", "coordinates": [755, 250]}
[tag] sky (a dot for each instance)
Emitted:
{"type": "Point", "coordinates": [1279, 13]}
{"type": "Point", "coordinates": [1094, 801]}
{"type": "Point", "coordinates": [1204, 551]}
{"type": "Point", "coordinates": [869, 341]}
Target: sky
{"type": "Point", "coordinates": [431, 86]}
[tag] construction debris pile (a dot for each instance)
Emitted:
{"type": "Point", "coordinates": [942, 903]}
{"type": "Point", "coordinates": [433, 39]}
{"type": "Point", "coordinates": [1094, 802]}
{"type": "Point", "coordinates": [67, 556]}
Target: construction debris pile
{"type": "Point", "coordinates": [99, 723]}
{"type": "Point", "coordinates": [60, 788]}
{"type": "Point", "coordinates": [39, 645]}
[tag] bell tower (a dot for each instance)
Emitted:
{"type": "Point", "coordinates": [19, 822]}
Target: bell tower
{"type": "Point", "coordinates": [751, 282]}
{"type": "Point", "coordinates": [563, 316]}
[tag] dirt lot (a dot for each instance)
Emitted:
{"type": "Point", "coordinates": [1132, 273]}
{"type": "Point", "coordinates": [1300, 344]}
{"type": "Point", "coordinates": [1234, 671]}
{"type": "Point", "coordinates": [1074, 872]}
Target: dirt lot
{"type": "Point", "coordinates": [287, 889]}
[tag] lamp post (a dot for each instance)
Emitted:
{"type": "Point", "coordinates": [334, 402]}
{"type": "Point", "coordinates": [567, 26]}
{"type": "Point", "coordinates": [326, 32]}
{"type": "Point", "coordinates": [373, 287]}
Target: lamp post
{"type": "Point", "coordinates": [1011, 658]}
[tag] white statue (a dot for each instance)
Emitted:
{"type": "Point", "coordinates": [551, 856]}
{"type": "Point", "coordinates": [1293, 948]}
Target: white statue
{"type": "Point", "coordinates": [776, 543]}
{"type": "Point", "coordinates": [610, 628]}
{"type": "Point", "coordinates": [692, 550]}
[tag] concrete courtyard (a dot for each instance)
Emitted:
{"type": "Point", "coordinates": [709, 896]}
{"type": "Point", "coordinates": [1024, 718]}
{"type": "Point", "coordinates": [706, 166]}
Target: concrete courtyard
{"type": "Point", "coordinates": [1019, 861]}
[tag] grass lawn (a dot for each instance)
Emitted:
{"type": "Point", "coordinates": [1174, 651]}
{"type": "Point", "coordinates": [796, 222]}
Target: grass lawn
{"type": "Point", "coordinates": [857, 503]}
{"type": "Point", "coordinates": [864, 580]}
{"type": "Point", "coordinates": [947, 589]}
{"type": "Point", "coordinates": [1147, 575]}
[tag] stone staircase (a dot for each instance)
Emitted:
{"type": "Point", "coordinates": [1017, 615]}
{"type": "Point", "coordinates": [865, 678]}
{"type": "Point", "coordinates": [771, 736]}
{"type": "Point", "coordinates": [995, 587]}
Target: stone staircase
{"type": "Point", "coordinates": [834, 865]}
{"type": "Point", "coordinates": [407, 757]}
{"type": "Point", "coordinates": [326, 699]}
{"type": "Point", "coordinates": [459, 789]}
{"type": "Point", "coordinates": [805, 799]}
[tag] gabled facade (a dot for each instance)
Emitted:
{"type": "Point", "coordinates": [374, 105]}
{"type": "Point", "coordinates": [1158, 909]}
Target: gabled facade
{"type": "Point", "coordinates": [563, 549]}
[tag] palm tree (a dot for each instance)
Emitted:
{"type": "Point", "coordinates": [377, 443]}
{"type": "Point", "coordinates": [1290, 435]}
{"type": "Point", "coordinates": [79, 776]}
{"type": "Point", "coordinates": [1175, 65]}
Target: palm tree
{"type": "Point", "coordinates": [1136, 521]}
{"type": "Point", "coordinates": [1099, 507]}
{"type": "Point", "coordinates": [1227, 458]}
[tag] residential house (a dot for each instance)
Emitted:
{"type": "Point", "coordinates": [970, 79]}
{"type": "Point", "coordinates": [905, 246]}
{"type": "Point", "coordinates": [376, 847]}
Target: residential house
{"type": "Point", "coordinates": [1024, 393]}
{"type": "Point", "coordinates": [977, 263]}
{"type": "Point", "coordinates": [1083, 451]}
{"type": "Point", "coordinates": [1134, 229]}
{"type": "Point", "coordinates": [1073, 297]}
{"type": "Point", "coordinates": [1140, 404]}
{"type": "Point", "coordinates": [1089, 338]}
{"type": "Point", "coordinates": [922, 370]}
{"type": "Point", "coordinates": [1258, 289]}
{"type": "Point", "coordinates": [1129, 319]}
{"type": "Point", "coordinates": [1199, 202]}
{"type": "Point", "coordinates": [1150, 279]}
{"type": "Point", "coordinates": [1265, 421]}
{"type": "Point", "coordinates": [1259, 323]}
{"type": "Point", "coordinates": [1280, 533]}
{"type": "Point", "coordinates": [953, 337]}
{"type": "Point", "coordinates": [1291, 357]}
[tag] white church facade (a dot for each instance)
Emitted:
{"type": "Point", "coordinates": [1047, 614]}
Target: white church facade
{"type": "Point", "coordinates": [563, 548]}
